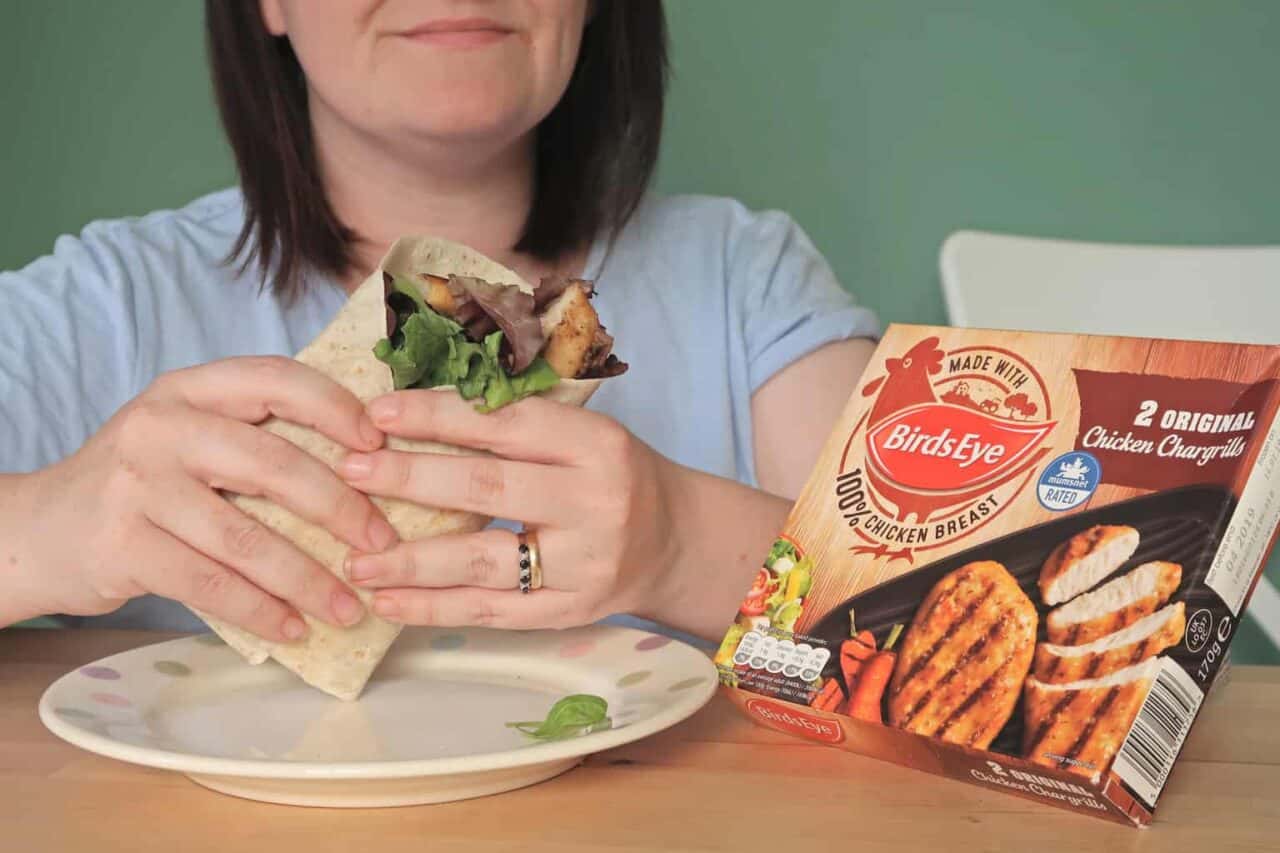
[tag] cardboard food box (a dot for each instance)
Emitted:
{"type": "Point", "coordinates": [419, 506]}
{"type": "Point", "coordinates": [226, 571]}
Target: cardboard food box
{"type": "Point", "coordinates": [1020, 560]}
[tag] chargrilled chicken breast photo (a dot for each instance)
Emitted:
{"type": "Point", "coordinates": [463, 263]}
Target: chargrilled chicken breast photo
{"type": "Point", "coordinates": [1085, 560]}
{"type": "Point", "coordinates": [1144, 639]}
{"type": "Point", "coordinates": [1081, 725]}
{"type": "Point", "coordinates": [965, 657]}
{"type": "Point", "coordinates": [1113, 606]}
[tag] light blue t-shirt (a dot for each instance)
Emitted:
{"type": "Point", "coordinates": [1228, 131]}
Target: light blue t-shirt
{"type": "Point", "coordinates": [706, 300]}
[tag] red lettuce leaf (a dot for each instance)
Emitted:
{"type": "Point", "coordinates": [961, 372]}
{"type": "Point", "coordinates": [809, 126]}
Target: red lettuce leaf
{"type": "Point", "coordinates": [511, 310]}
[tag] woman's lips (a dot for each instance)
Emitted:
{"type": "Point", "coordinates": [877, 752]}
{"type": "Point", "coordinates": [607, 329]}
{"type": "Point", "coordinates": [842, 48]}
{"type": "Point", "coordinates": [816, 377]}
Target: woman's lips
{"type": "Point", "coordinates": [459, 32]}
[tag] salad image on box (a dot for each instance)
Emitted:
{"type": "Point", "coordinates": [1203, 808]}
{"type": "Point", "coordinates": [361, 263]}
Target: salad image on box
{"type": "Point", "coordinates": [1020, 560]}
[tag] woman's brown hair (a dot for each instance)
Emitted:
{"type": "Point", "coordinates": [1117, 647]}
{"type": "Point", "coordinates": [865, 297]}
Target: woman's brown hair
{"type": "Point", "coordinates": [596, 151]}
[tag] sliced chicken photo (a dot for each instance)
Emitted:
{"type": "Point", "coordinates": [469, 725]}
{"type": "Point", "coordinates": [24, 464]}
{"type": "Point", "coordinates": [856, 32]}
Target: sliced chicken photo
{"type": "Point", "coordinates": [1085, 560]}
{"type": "Point", "coordinates": [1081, 725]}
{"type": "Point", "coordinates": [1144, 639]}
{"type": "Point", "coordinates": [1113, 606]}
{"type": "Point", "coordinates": [965, 656]}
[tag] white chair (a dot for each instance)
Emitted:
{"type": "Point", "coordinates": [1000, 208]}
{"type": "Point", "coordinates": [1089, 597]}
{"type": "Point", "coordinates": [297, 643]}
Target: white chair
{"type": "Point", "coordinates": [1202, 293]}
{"type": "Point", "coordinates": [1189, 292]}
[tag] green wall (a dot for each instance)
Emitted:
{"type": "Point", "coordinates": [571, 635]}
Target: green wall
{"type": "Point", "coordinates": [880, 125]}
{"type": "Point", "coordinates": [106, 111]}
{"type": "Point", "coordinates": [883, 125]}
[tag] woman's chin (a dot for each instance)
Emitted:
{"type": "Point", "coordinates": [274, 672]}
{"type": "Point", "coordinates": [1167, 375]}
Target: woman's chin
{"type": "Point", "coordinates": [473, 122]}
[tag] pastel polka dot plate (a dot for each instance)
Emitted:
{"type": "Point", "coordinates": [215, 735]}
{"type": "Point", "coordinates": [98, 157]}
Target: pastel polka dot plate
{"type": "Point", "coordinates": [430, 727]}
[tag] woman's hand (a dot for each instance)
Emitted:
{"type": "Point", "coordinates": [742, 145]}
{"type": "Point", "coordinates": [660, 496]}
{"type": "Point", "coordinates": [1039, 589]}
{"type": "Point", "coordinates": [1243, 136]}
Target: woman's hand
{"type": "Point", "coordinates": [600, 500]}
{"type": "Point", "coordinates": [135, 510]}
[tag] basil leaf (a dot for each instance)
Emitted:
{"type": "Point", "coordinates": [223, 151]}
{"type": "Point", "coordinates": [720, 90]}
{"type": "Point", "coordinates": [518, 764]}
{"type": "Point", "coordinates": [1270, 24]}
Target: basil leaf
{"type": "Point", "coordinates": [572, 716]}
{"type": "Point", "coordinates": [578, 710]}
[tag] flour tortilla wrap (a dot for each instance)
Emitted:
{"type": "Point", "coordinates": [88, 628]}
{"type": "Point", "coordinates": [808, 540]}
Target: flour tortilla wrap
{"type": "Point", "coordinates": [339, 661]}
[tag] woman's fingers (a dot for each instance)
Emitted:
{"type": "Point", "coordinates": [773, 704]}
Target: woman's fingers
{"type": "Point", "coordinates": [468, 606]}
{"type": "Point", "coordinates": [230, 455]}
{"type": "Point", "coordinates": [175, 571]}
{"type": "Point", "coordinates": [253, 388]}
{"type": "Point", "coordinates": [533, 429]}
{"type": "Point", "coordinates": [221, 532]}
{"type": "Point", "coordinates": [533, 493]}
{"type": "Point", "coordinates": [488, 559]}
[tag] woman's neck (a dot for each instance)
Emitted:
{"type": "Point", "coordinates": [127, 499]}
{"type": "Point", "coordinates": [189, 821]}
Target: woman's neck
{"type": "Point", "coordinates": [475, 196]}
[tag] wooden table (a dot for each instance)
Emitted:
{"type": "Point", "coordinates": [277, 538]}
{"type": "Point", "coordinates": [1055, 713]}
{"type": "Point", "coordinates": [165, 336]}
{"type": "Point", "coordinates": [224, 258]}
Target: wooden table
{"type": "Point", "coordinates": [716, 782]}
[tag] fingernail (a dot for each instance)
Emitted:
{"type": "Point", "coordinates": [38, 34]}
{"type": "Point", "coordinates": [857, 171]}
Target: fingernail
{"type": "Point", "coordinates": [371, 434]}
{"type": "Point", "coordinates": [381, 533]}
{"type": "Point", "coordinates": [356, 466]}
{"type": "Point", "coordinates": [387, 608]}
{"type": "Point", "coordinates": [384, 410]}
{"type": "Point", "coordinates": [360, 569]}
{"type": "Point", "coordinates": [347, 608]}
{"type": "Point", "coordinates": [294, 628]}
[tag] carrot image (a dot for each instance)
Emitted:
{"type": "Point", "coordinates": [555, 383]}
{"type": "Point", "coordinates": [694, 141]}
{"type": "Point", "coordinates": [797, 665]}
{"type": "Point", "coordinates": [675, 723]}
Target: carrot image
{"type": "Point", "coordinates": [829, 698]}
{"type": "Point", "coordinates": [865, 700]}
{"type": "Point", "coordinates": [854, 652]}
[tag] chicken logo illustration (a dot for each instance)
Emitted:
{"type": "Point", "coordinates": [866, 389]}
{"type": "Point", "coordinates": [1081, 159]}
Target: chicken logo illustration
{"type": "Point", "coordinates": [949, 439]}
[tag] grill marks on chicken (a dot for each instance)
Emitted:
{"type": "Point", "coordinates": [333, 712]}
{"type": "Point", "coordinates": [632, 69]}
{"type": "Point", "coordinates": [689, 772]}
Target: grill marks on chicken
{"type": "Point", "coordinates": [1085, 560]}
{"type": "Point", "coordinates": [1081, 725]}
{"type": "Point", "coordinates": [968, 655]}
{"type": "Point", "coordinates": [1146, 638]}
{"type": "Point", "coordinates": [965, 657]}
{"type": "Point", "coordinates": [1093, 676]}
{"type": "Point", "coordinates": [1115, 605]}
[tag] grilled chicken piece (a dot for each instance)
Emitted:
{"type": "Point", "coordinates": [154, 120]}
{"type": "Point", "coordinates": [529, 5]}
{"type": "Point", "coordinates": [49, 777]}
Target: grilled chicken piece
{"type": "Point", "coordinates": [1144, 639]}
{"type": "Point", "coordinates": [438, 295]}
{"type": "Point", "coordinates": [965, 656]}
{"type": "Point", "coordinates": [1113, 606]}
{"type": "Point", "coordinates": [1081, 563]}
{"type": "Point", "coordinates": [570, 325]}
{"type": "Point", "coordinates": [1081, 725]}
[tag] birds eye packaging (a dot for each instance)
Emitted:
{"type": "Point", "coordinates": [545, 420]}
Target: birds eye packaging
{"type": "Point", "coordinates": [1020, 561]}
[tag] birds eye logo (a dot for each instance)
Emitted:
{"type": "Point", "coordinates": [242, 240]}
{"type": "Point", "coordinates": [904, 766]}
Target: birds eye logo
{"type": "Point", "coordinates": [949, 440]}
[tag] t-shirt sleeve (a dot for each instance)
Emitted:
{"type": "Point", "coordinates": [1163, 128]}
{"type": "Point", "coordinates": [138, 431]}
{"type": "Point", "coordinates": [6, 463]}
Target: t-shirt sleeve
{"type": "Point", "coordinates": [67, 349]}
{"type": "Point", "coordinates": [790, 301]}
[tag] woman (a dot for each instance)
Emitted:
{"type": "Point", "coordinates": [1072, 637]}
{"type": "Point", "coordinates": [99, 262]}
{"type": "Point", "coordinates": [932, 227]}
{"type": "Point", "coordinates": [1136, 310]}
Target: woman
{"type": "Point", "coordinates": [136, 360]}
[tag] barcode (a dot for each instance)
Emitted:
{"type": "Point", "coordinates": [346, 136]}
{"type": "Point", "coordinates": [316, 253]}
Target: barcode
{"type": "Point", "coordinates": [1153, 743]}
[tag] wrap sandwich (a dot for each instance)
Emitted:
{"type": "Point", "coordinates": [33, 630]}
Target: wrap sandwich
{"type": "Point", "coordinates": [435, 314]}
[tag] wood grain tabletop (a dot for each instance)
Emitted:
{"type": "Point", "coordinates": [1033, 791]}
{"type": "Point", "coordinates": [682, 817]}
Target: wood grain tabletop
{"type": "Point", "coordinates": [716, 782]}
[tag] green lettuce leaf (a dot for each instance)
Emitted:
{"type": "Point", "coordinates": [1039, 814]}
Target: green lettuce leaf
{"type": "Point", "coordinates": [407, 361]}
{"type": "Point", "coordinates": [410, 289]}
{"type": "Point", "coordinates": [787, 615]}
{"type": "Point", "coordinates": [774, 602]}
{"type": "Point", "coordinates": [781, 548]}
{"type": "Point", "coordinates": [535, 379]}
{"type": "Point", "coordinates": [430, 350]}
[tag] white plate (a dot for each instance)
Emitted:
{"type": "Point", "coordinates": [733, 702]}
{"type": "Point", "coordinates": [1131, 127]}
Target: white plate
{"type": "Point", "coordinates": [430, 727]}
